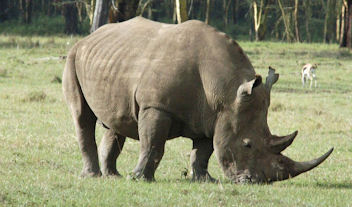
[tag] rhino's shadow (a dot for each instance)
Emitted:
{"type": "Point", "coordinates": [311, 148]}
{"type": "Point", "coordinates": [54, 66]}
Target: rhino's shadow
{"type": "Point", "coordinates": [330, 185]}
{"type": "Point", "coordinates": [335, 185]}
{"type": "Point", "coordinates": [337, 89]}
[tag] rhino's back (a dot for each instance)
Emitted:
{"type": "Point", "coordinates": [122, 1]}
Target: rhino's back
{"type": "Point", "coordinates": [141, 63]}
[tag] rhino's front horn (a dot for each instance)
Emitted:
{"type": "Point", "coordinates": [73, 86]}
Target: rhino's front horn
{"type": "Point", "coordinates": [301, 167]}
{"type": "Point", "coordinates": [279, 144]}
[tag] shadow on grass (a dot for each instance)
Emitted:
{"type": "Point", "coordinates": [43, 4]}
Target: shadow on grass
{"type": "Point", "coordinates": [328, 185]}
{"type": "Point", "coordinates": [312, 91]}
{"type": "Point", "coordinates": [344, 185]}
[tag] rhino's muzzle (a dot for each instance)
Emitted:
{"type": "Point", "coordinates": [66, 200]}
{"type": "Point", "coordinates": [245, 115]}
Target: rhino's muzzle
{"type": "Point", "coordinates": [293, 169]}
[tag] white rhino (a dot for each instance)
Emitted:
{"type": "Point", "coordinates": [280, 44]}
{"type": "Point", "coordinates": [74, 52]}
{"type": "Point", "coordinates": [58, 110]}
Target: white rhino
{"type": "Point", "coordinates": [153, 82]}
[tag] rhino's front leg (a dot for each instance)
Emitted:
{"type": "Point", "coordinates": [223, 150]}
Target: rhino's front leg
{"type": "Point", "coordinates": [109, 149]}
{"type": "Point", "coordinates": [201, 152]}
{"type": "Point", "coordinates": [153, 129]}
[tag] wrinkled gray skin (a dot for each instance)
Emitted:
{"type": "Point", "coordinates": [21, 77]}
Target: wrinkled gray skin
{"type": "Point", "coordinates": [153, 82]}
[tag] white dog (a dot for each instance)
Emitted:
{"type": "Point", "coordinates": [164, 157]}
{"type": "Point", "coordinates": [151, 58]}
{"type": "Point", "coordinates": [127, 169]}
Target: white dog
{"type": "Point", "coordinates": [309, 72]}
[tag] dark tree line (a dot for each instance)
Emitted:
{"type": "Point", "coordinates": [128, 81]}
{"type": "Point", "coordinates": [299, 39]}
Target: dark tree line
{"type": "Point", "coordinates": [289, 20]}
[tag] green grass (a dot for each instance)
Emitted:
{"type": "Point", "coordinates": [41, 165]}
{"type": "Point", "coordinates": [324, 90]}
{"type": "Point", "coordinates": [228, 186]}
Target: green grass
{"type": "Point", "coordinates": [40, 161]}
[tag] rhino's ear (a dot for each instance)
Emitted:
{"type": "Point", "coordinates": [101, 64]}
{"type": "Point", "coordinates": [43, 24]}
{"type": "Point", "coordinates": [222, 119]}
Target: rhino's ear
{"type": "Point", "coordinates": [247, 87]}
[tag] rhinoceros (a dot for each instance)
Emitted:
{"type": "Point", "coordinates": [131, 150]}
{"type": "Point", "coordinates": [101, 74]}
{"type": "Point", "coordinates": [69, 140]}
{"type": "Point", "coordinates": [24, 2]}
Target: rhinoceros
{"type": "Point", "coordinates": [153, 82]}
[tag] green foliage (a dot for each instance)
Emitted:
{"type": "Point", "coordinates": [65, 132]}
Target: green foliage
{"type": "Point", "coordinates": [40, 160]}
{"type": "Point", "coordinates": [41, 25]}
{"type": "Point", "coordinates": [48, 19]}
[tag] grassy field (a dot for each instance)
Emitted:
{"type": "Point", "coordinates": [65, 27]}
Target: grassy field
{"type": "Point", "coordinates": [40, 161]}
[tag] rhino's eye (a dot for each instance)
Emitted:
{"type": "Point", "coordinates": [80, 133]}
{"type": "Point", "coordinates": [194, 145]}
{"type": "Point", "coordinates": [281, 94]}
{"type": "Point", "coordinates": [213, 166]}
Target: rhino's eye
{"type": "Point", "coordinates": [247, 143]}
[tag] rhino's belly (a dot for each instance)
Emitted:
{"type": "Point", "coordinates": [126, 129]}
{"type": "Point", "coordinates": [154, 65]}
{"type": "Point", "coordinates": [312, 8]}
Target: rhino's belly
{"type": "Point", "coordinates": [124, 125]}
{"type": "Point", "coordinates": [119, 119]}
{"type": "Point", "coordinates": [113, 104]}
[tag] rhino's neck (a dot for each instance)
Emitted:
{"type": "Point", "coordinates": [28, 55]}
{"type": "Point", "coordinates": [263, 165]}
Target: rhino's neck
{"type": "Point", "coordinates": [223, 67]}
{"type": "Point", "coordinates": [220, 88]}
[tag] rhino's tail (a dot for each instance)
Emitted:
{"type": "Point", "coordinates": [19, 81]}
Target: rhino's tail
{"type": "Point", "coordinates": [72, 88]}
{"type": "Point", "coordinates": [70, 84]}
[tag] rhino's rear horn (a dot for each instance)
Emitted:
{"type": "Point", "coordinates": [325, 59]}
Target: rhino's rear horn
{"type": "Point", "coordinates": [271, 78]}
{"type": "Point", "coordinates": [279, 144]}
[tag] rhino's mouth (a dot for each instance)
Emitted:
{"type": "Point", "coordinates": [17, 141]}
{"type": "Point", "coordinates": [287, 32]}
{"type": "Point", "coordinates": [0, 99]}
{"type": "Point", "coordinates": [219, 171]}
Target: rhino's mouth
{"type": "Point", "coordinates": [246, 178]}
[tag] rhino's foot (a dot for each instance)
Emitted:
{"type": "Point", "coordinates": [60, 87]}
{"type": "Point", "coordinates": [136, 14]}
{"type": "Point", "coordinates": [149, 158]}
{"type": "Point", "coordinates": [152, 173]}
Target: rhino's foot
{"type": "Point", "coordinates": [203, 178]}
{"type": "Point", "coordinates": [140, 176]}
{"type": "Point", "coordinates": [90, 173]}
{"type": "Point", "coordinates": [111, 172]}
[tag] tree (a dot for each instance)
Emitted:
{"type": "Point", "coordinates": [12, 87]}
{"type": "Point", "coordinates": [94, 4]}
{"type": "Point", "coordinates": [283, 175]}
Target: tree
{"type": "Point", "coordinates": [259, 17]}
{"type": "Point", "coordinates": [308, 15]}
{"type": "Point", "coordinates": [287, 23]}
{"type": "Point", "coordinates": [123, 10]}
{"type": "Point", "coordinates": [226, 7]}
{"type": "Point", "coordinates": [338, 20]}
{"type": "Point", "coordinates": [3, 10]}
{"type": "Point", "coordinates": [346, 39]}
{"type": "Point", "coordinates": [181, 10]}
{"type": "Point", "coordinates": [329, 23]}
{"type": "Point", "coordinates": [26, 10]}
{"type": "Point", "coordinates": [70, 13]}
{"type": "Point", "coordinates": [296, 21]}
{"type": "Point", "coordinates": [207, 12]}
{"type": "Point", "coordinates": [90, 7]}
{"type": "Point", "coordinates": [100, 14]}
{"type": "Point", "coordinates": [235, 11]}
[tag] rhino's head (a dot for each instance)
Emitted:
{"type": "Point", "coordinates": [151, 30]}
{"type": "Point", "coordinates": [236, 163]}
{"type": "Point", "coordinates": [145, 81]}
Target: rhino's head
{"type": "Point", "coordinates": [244, 146]}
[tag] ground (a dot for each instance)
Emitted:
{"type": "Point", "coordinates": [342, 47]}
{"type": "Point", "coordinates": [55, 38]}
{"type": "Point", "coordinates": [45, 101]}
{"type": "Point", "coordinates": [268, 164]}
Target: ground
{"type": "Point", "coordinates": [40, 161]}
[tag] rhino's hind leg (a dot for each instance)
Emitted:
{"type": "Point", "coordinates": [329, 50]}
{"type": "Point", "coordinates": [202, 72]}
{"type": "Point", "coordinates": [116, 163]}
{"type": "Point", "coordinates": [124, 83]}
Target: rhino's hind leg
{"type": "Point", "coordinates": [153, 129]}
{"type": "Point", "coordinates": [201, 152]}
{"type": "Point", "coordinates": [109, 149]}
{"type": "Point", "coordinates": [83, 117]}
{"type": "Point", "coordinates": [85, 122]}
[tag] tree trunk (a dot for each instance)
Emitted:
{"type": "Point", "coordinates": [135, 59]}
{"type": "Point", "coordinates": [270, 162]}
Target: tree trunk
{"type": "Point", "coordinates": [3, 10]}
{"type": "Point", "coordinates": [226, 7]}
{"type": "Point", "coordinates": [207, 13]}
{"type": "Point", "coordinates": [329, 23]}
{"type": "Point", "coordinates": [174, 15]}
{"type": "Point", "coordinates": [49, 9]}
{"type": "Point", "coordinates": [257, 18]}
{"type": "Point", "coordinates": [123, 10]}
{"type": "Point", "coordinates": [150, 12]}
{"type": "Point", "coordinates": [70, 13]}
{"type": "Point", "coordinates": [287, 23]}
{"type": "Point", "coordinates": [346, 33]}
{"type": "Point", "coordinates": [338, 20]}
{"type": "Point", "coordinates": [79, 6]}
{"type": "Point", "coordinates": [343, 14]}
{"type": "Point", "coordinates": [90, 7]}
{"type": "Point", "coordinates": [235, 15]}
{"type": "Point", "coordinates": [308, 15]}
{"type": "Point", "coordinates": [296, 21]}
{"type": "Point", "coordinates": [190, 10]}
{"type": "Point", "coordinates": [260, 17]}
{"type": "Point", "coordinates": [26, 10]}
{"type": "Point", "coordinates": [142, 7]}
{"type": "Point", "coordinates": [181, 10]}
{"type": "Point", "coordinates": [100, 14]}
